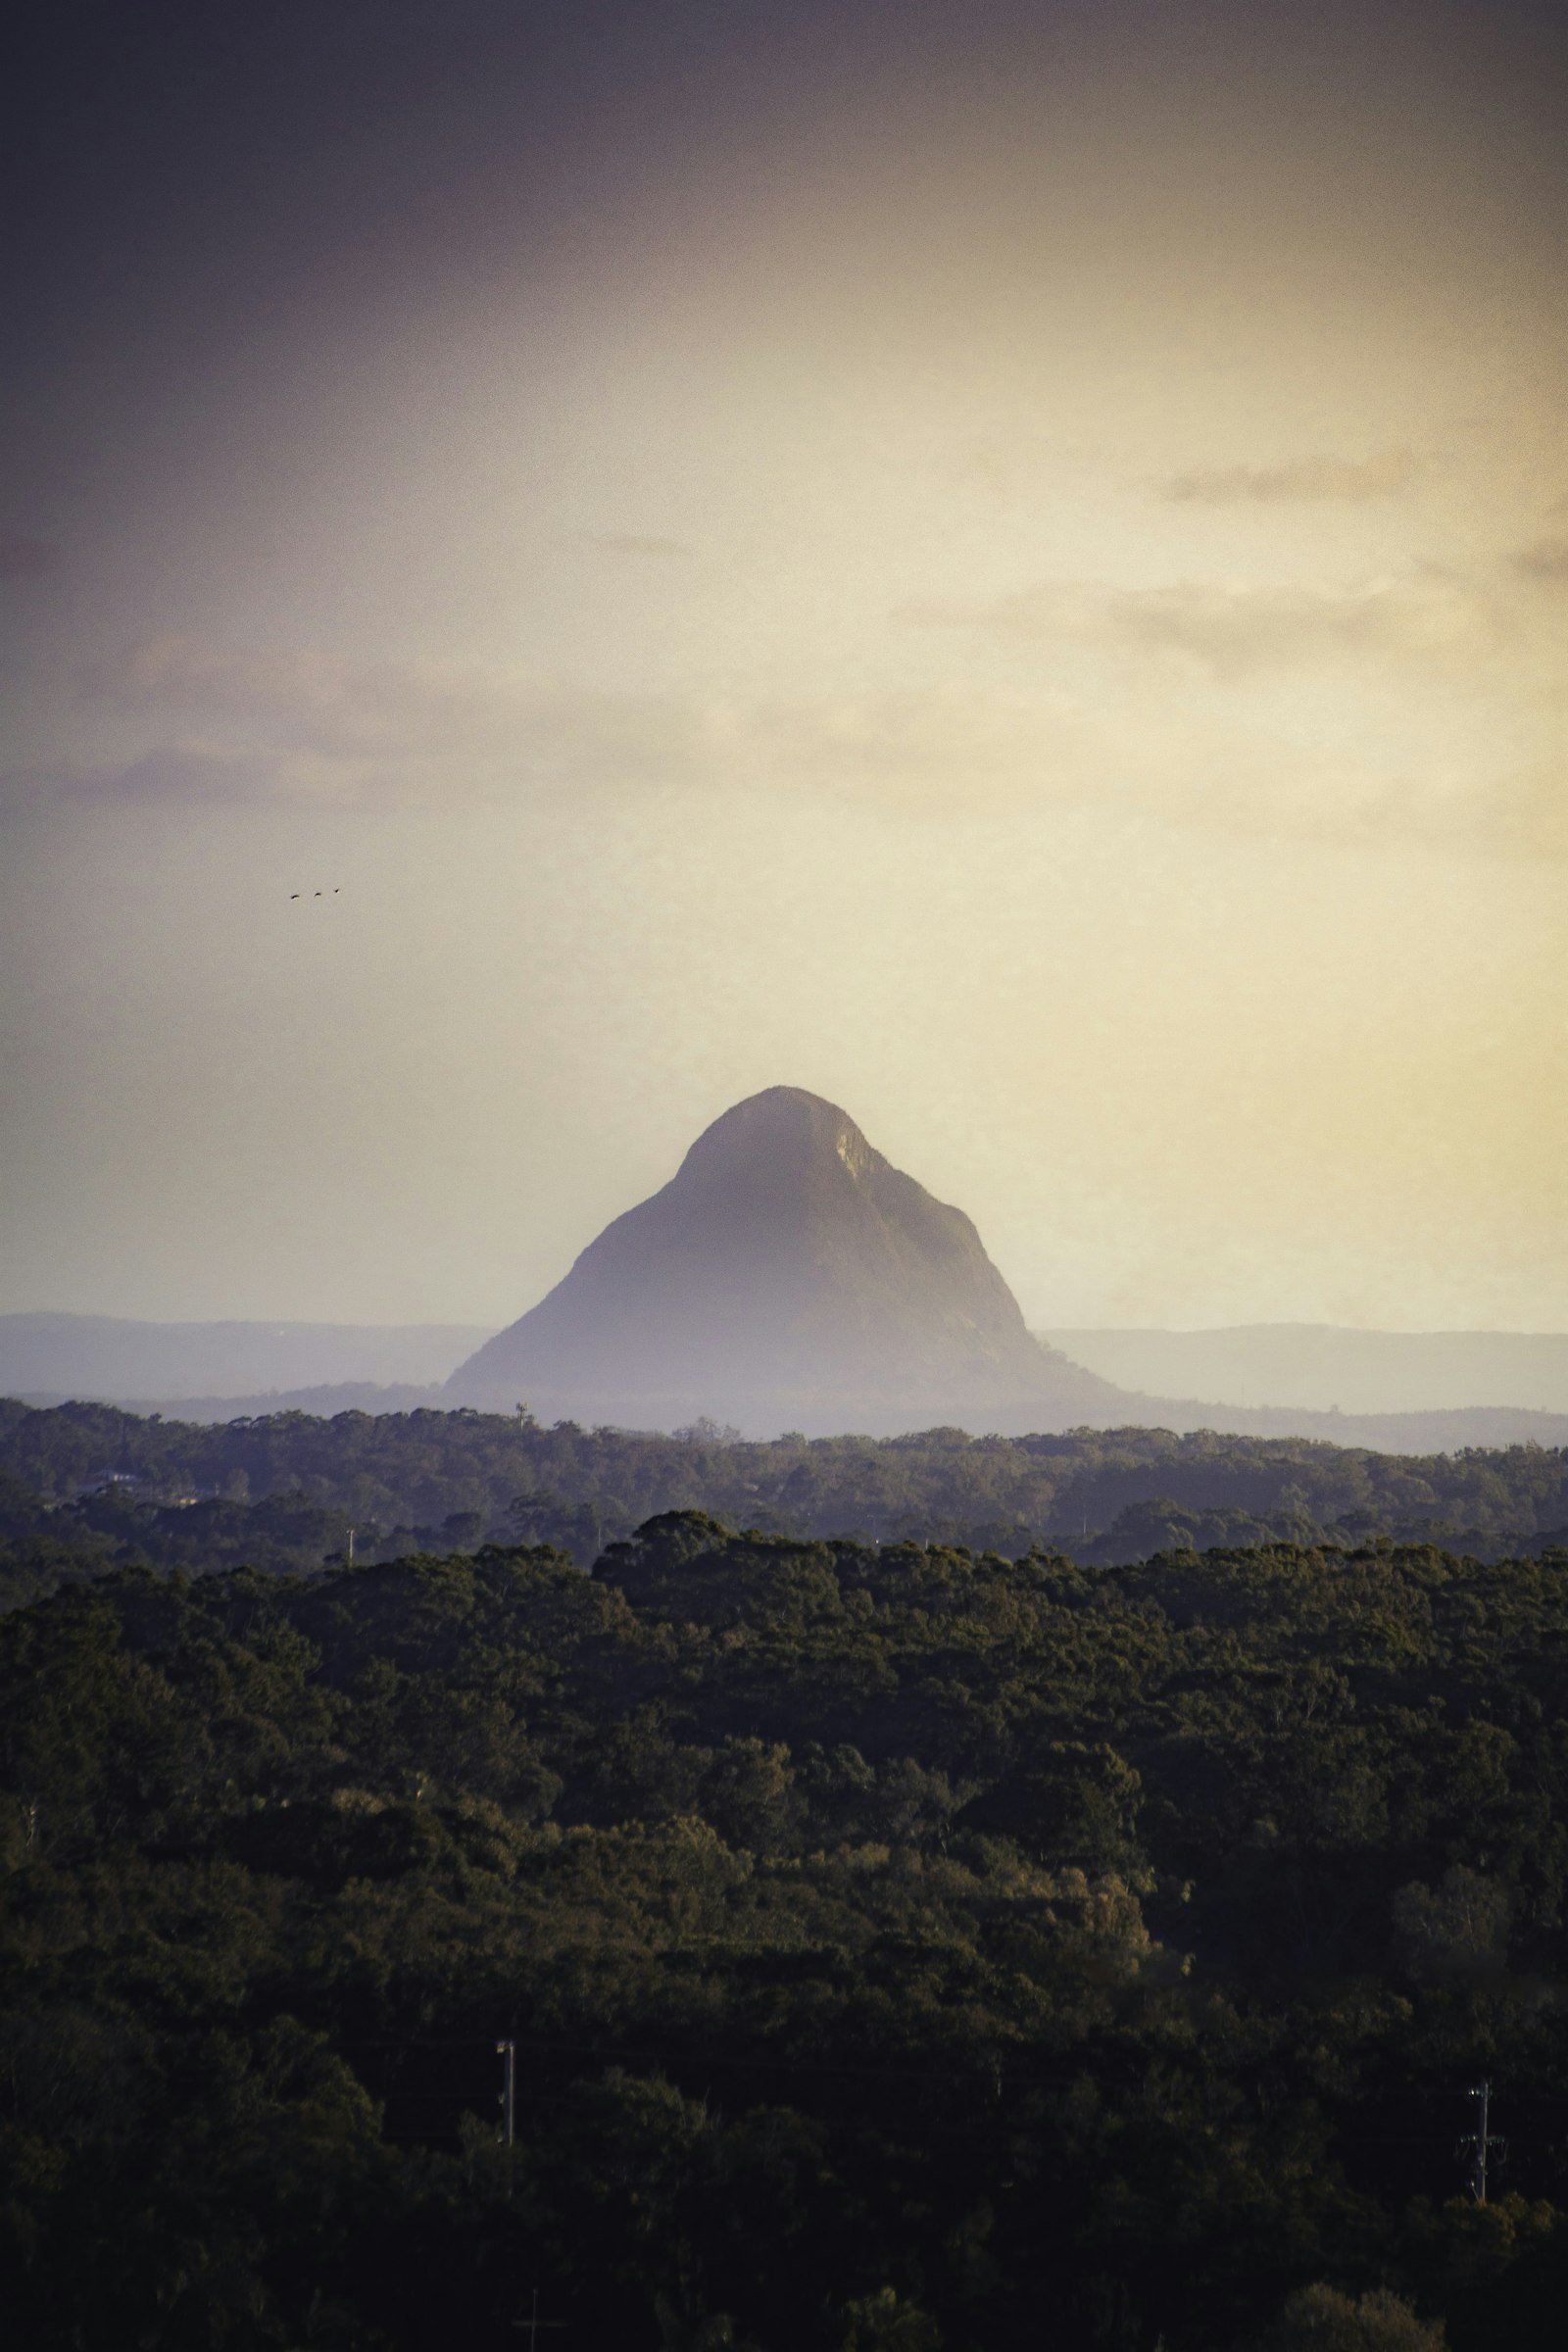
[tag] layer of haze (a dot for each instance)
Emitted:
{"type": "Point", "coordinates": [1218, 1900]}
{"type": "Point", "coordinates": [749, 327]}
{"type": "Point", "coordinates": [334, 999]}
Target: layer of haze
{"type": "Point", "coordinates": [1009, 567]}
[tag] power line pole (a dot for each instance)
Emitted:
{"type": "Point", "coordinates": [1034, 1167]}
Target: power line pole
{"type": "Point", "coordinates": [1481, 2142]}
{"type": "Point", "coordinates": [507, 2051]}
{"type": "Point", "coordinates": [534, 2322]}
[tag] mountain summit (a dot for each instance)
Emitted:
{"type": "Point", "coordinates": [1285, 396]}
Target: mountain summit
{"type": "Point", "coordinates": [787, 1273]}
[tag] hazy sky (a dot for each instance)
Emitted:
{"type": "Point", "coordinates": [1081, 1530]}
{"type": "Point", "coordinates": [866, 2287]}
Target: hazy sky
{"type": "Point", "coordinates": [1005, 565]}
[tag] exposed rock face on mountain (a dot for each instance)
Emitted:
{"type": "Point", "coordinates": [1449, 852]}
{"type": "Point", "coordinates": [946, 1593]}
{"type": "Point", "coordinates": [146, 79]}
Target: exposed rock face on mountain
{"type": "Point", "coordinates": [786, 1276]}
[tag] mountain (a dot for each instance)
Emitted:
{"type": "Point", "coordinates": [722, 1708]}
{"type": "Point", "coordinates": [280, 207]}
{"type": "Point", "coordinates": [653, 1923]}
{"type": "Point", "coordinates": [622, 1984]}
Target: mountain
{"type": "Point", "coordinates": [1318, 1366]}
{"type": "Point", "coordinates": [786, 1275]}
{"type": "Point", "coordinates": [117, 1360]}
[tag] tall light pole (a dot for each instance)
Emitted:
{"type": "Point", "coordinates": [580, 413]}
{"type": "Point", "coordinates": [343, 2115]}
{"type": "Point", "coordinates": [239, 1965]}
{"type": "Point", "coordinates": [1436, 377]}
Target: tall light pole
{"type": "Point", "coordinates": [507, 2051]}
{"type": "Point", "coordinates": [1481, 2142]}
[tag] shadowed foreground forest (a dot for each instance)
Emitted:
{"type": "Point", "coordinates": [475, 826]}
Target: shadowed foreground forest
{"type": "Point", "coordinates": [902, 1948]}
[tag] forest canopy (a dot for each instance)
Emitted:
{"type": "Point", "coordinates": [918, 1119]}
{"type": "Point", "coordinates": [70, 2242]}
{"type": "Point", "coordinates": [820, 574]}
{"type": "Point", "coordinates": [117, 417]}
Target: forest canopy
{"type": "Point", "coordinates": [902, 1947]}
{"type": "Point", "coordinates": [96, 1487]}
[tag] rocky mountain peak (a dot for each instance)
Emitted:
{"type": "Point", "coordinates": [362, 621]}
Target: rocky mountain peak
{"type": "Point", "coordinates": [787, 1273]}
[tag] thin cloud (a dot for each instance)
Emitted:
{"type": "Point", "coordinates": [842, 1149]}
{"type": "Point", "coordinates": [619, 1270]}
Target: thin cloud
{"type": "Point", "coordinates": [179, 773]}
{"type": "Point", "coordinates": [1546, 561]}
{"type": "Point", "coordinates": [637, 543]}
{"type": "Point", "coordinates": [1228, 629]}
{"type": "Point", "coordinates": [25, 558]}
{"type": "Point", "coordinates": [407, 729]}
{"type": "Point", "coordinates": [1345, 481]}
{"type": "Point", "coordinates": [1203, 726]}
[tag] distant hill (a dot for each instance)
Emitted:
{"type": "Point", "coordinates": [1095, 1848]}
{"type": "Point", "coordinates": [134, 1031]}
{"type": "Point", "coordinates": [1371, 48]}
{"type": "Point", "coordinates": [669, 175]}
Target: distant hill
{"type": "Point", "coordinates": [321, 1404]}
{"type": "Point", "coordinates": [120, 1361]}
{"type": "Point", "coordinates": [1126, 1411]}
{"type": "Point", "coordinates": [787, 1275]}
{"type": "Point", "coordinates": [1319, 1366]}
{"type": "Point", "coordinates": [789, 1278]}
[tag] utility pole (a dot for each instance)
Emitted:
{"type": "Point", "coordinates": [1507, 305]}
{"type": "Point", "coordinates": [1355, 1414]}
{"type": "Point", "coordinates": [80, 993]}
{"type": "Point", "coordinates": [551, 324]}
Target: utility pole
{"type": "Point", "coordinates": [507, 2050]}
{"type": "Point", "coordinates": [533, 2323]}
{"type": "Point", "coordinates": [351, 1548]}
{"type": "Point", "coordinates": [1481, 2142]}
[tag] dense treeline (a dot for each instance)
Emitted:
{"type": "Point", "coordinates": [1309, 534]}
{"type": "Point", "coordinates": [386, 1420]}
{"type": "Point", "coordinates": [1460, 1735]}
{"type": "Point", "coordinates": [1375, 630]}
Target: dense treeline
{"type": "Point", "coordinates": [902, 1948]}
{"type": "Point", "coordinates": [285, 1491]}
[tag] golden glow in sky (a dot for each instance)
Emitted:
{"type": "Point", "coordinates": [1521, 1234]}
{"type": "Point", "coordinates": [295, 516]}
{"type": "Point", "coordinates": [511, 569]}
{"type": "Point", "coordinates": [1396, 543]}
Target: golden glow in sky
{"type": "Point", "coordinates": [1017, 582]}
